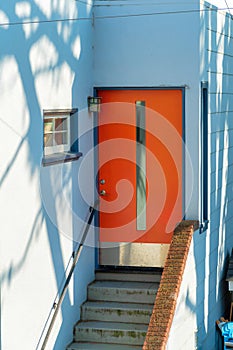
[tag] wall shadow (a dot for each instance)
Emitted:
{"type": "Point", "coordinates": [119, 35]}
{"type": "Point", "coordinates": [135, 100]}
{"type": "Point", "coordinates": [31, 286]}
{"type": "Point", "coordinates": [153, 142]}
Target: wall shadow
{"type": "Point", "coordinates": [212, 248]}
{"type": "Point", "coordinates": [18, 40]}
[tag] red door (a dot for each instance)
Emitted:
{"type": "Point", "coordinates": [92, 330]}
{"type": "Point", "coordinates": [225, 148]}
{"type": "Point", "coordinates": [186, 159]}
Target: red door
{"type": "Point", "coordinates": [140, 174]}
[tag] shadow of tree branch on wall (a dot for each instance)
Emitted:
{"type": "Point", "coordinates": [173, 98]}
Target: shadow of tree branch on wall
{"type": "Point", "coordinates": [211, 249]}
{"type": "Point", "coordinates": [18, 42]}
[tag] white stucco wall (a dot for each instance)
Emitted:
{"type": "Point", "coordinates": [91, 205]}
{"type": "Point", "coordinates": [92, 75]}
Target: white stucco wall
{"type": "Point", "coordinates": [49, 65]}
{"type": "Point", "coordinates": [226, 6]}
{"type": "Point", "coordinates": [44, 64]}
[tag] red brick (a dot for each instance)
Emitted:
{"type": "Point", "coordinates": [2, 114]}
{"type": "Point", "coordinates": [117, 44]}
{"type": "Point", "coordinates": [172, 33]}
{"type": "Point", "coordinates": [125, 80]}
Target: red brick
{"type": "Point", "coordinates": [165, 303]}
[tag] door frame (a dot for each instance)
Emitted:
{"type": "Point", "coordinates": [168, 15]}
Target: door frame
{"type": "Point", "coordinates": [182, 88]}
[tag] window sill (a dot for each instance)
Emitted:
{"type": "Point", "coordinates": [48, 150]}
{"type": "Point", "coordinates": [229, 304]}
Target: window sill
{"type": "Point", "coordinates": [62, 157]}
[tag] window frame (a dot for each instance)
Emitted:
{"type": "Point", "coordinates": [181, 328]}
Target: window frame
{"type": "Point", "coordinates": [204, 217]}
{"type": "Point", "coordinates": [64, 152]}
{"type": "Point", "coordinates": [57, 148]}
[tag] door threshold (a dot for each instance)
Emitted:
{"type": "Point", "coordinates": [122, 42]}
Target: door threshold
{"type": "Point", "coordinates": [129, 269]}
{"type": "Point", "coordinates": [134, 254]}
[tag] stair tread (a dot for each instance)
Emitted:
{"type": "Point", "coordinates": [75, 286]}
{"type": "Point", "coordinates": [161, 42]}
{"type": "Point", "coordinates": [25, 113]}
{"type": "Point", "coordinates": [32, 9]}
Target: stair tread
{"type": "Point", "coordinates": [112, 326]}
{"type": "Point", "coordinates": [143, 276]}
{"type": "Point", "coordinates": [125, 285]}
{"type": "Point", "coordinates": [101, 346]}
{"type": "Point", "coordinates": [132, 292]}
{"type": "Point", "coordinates": [109, 311]}
{"type": "Point", "coordinates": [118, 305]}
{"type": "Point", "coordinates": [116, 314]}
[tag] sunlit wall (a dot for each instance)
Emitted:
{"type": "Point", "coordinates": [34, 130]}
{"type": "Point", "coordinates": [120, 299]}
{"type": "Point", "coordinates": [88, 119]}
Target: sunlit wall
{"type": "Point", "coordinates": [45, 63]}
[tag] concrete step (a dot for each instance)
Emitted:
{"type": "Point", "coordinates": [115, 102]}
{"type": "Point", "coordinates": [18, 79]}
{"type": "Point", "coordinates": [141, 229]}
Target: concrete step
{"type": "Point", "coordinates": [132, 292]}
{"type": "Point", "coordinates": [110, 332]}
{"type": "Point", "coordinates": [101, 346]}
{"type": "Point", "coordinates": [116, 312]}
{"type": "Point", "coordinates": [136, 276]}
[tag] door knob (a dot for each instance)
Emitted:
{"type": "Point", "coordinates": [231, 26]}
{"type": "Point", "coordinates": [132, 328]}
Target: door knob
{"type": "Point", "coordinates": [102, 181]}
{"type": "Point", "coordinates": [103, 193]}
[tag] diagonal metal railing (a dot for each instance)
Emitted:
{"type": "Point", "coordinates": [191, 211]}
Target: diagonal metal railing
{"type": "Point", "coordinates": [47, 329]}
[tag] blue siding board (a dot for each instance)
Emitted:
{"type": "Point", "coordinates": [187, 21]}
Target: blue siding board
{"type": "Point", "coordinates": [217, 160]}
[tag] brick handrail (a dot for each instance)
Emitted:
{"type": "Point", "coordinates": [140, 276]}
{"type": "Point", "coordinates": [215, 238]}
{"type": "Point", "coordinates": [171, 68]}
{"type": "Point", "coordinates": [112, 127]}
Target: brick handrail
{"type": "Point", "coordinates": [165, 303]}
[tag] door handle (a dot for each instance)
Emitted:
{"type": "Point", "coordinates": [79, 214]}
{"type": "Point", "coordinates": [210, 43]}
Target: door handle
{"type": "Point", "coordinates": [103, 193]}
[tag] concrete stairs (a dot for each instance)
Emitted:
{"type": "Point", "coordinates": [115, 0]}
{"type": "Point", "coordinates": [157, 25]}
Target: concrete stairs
{"type": "Point", "coordinates": [117, 311]}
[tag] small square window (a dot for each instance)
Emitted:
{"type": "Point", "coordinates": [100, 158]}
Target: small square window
{"type": "Point", "coordinates": [56, 134]}
{"type": "Point", "coordinates": [60, 135]}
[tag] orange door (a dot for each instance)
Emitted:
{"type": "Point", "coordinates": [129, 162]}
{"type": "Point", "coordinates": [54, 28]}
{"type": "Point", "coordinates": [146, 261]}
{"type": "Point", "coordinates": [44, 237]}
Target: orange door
{"type": "Point", "coordinates": [140, 172]}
